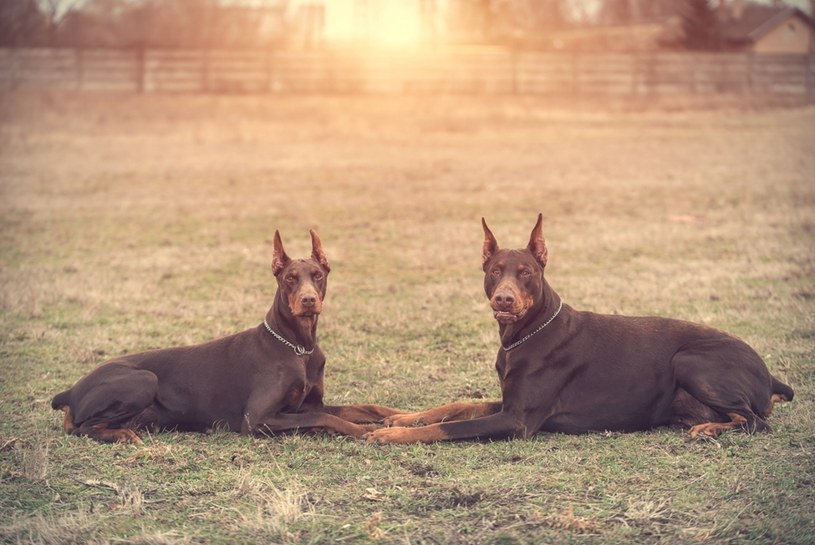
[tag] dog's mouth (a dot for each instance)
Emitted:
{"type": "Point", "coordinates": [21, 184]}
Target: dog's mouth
{"type": "Point", "coordinates": [504, 317]}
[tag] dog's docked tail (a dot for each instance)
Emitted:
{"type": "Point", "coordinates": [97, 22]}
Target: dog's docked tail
{"type": "Point", "coordinates": [782, 390]}
{"type": "Point", "coordinates": [60, 400]}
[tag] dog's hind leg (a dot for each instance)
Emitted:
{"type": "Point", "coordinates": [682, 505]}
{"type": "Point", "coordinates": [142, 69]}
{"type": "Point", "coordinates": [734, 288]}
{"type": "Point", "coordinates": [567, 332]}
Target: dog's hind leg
{"type": "Point", "coordinates": [704, 420]}
{"type": "Point", "coordinates": [110, 403]}
{"type": "Point", "coordinates": [687, 411]}
{"type": "Point", "coordinates": [713, 429]}
{"type": "Point", "coordinates": [726, 386]}
{"type": "Point", "coordinates": [102, 433]}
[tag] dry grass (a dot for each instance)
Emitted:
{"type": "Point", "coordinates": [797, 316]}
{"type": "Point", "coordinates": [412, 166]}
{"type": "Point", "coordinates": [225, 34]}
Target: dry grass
{"type": "Point", "coordinates": [134, 222]}
{"type": "Point", "coordinates": [271, 509]}
{"type": "Point", "coordinates": [78, 526]}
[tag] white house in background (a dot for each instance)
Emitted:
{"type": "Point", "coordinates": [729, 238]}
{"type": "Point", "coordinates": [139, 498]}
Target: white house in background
{"type": "Point", "coordinates": [767, 29]}
{"type": "Point", "coordinates": [365, 22]}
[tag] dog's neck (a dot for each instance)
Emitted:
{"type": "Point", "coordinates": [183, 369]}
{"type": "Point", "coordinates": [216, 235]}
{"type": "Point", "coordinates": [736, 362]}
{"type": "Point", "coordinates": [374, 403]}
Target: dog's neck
{"type": "Point", "coordinates": [300, 330]}
{"type": "Point", "coordinates": [543, 310]}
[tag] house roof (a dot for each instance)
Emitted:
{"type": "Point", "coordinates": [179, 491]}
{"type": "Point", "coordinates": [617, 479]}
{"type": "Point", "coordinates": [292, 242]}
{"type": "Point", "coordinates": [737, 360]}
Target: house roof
{"type": "Point", "coordinates": [757, 20]}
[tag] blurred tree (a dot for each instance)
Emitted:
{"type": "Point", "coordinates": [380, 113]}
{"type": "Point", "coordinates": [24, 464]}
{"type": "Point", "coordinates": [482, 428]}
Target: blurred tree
{"type": "Point", "coordinates": [55, 12]}
{"type": "Point", "coordinates": [470, 20]}
{"type": "Point", "coordinates": [206, 23]}
{"type": "Point", "coordinates": [166, 23]}
{"type": "Point", "coordinates": [546, 13]}
{"type": "Point", "coordinates": [21, 23]}
{"type": "Point", "coordinates": [651, 9]}
{"type": "Point", "coordinates": [97, 24]}
{"type": "Point", "coordinates": [503, 20]}
{"type": "Point", "coordinates": [615, 12]}
{"type": "Point", "coordinates": [620, 12]}
{"type": "Point", "coordinates": [700, 25]}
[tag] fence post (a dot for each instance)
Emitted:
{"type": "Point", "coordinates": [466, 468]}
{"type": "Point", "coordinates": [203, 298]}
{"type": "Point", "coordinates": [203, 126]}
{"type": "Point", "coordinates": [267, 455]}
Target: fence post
{"type": "Point", "coordinates": [78, 64]}
{"type": "Point", "coordinates": [141, 68]}
{"type": "Point", "coordinates": [14, 71]}
{"type": "Point", "coordinates": [636, 68]}
{"type": "Point", "coordinates": [576, 73]}
{"type": "Point", "coordinates": [515, 68]}
{"type": "Point", "coordinates": [269, 70]}
{"type": "Point", "coordinates": [691, 72]}
{"type": "Point", "coordinates": [204, 69]}
{"type": "Point", "coordinates": [749, 74]}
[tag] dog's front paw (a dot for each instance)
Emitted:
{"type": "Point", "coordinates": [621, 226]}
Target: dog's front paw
{"type": "Point", "coordinates": [129, 436]}
{"type": "Point", "coordinates": [404, 420]}
{"type": "Point", "coordinates": [403, 436]}
{"type": "Point", "coordinates": [387, 435]}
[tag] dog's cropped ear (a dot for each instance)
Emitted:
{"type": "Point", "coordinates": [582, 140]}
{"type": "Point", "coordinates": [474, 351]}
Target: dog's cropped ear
{"type": "Point", "coordinates": [279, 259]}
{"type": "Point", "coordinates": [537, 245]}
{"type": "Point", "coordinates": [317, 251]}
{"type": "Point", "coordinates": [490, 245]}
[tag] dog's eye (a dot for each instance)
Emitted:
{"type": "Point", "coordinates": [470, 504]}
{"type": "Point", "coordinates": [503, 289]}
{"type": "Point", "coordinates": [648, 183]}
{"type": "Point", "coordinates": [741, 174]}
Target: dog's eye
{"type": "Point", "coordinates": [496, 272]}
{"type": "Point", "coordinates": [526, 273]}
{"type": "Point", "coordinates": [318, 276]}
{"type": "Point", "coordinates": [291, 279]}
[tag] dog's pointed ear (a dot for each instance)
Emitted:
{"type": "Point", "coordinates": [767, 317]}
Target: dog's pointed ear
{"type": "Point", "coordinates": [279, 259]}
{"type": "Point", "coordinates": [537, 245]}
{"type": "Point", "coordinates": [490, 245]}
{"type": "Point", "coordinates": [317, 251]}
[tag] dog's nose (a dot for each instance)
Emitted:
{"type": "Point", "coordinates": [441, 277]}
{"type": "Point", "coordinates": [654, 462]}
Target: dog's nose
{"type": "Point", "coordinates": [504, 299]}
{"type": "Point", "coordinates": [308, 300]}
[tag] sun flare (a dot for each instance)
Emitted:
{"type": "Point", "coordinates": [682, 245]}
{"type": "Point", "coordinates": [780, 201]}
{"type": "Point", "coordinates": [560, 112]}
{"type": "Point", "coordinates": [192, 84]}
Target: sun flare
{"type": "Point", "coordinates": [373, 23]}
{"type": "Point", "coordinates": [396, 24]}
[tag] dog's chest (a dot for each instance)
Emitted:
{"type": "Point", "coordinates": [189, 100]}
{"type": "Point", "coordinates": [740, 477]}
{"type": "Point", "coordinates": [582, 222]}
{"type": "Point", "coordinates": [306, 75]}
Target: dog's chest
{"type": "Point", "coordinates": [295, 396]}
{"type": "Point", "coordinates": [297, 392]}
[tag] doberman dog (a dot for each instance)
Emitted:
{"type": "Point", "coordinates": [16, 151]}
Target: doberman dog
{"type": "Point", "coordinates": [263, 380]}
{"type": "Point", "coordinates": [567, 371]}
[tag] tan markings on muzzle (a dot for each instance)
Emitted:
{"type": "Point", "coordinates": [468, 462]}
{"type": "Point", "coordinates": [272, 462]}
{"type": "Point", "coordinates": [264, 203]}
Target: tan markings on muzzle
{"type": "Point", "coordinates": [296, 301]}
{"type": "Point", "coordinates": [527, 300]}
{"type": "Point", "coordinates": [521, 300]}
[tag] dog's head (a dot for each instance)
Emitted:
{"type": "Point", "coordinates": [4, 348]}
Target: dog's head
{"type": "Point", "coordinates": [302, 282]}
{"type": "Point", "coordinates": [513, 279]}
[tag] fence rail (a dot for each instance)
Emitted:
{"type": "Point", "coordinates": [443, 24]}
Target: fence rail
{"type": "Point", "coordinates": [454, 70]}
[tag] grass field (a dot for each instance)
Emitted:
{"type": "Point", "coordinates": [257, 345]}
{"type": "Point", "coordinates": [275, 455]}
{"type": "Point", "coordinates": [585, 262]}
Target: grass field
{"type": "Point", "coordinates": [136, 222]}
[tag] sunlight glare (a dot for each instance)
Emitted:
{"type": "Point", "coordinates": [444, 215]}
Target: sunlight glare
{"type": "Point", "coordinates": [397, 25]}
{"type": "Point", "coordinates": [388, 23]}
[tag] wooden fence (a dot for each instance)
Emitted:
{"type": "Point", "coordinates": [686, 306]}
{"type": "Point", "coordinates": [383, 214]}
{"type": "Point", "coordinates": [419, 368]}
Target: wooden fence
{"type": "Point", "coordinates": [452, 70]}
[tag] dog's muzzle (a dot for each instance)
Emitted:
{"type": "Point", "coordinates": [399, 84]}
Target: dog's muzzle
{"type": "Point", "coordinates": [506, 307]}
{"type": "Point", "coordinates": [308, 304]}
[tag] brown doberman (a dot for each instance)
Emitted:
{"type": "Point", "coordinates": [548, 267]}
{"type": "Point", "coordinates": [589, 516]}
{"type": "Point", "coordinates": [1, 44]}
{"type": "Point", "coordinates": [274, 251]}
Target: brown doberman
{"type": "Point", "coordinates": [568, 371]}
{"type": "Point", "coordinates": [263, 380]}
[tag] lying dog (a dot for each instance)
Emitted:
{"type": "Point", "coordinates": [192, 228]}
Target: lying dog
{"type": "Point", "coordinates": [567, 371]}
{"type": "Point", "coordinates": [263, 380]}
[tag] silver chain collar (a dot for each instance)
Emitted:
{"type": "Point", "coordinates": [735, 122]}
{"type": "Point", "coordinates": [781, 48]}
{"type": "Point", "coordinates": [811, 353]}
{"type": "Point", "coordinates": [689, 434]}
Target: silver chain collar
{"type": "Point", "coordinates": [529, 336]}
{"type": "Point", "coordinates": [299, 349]}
